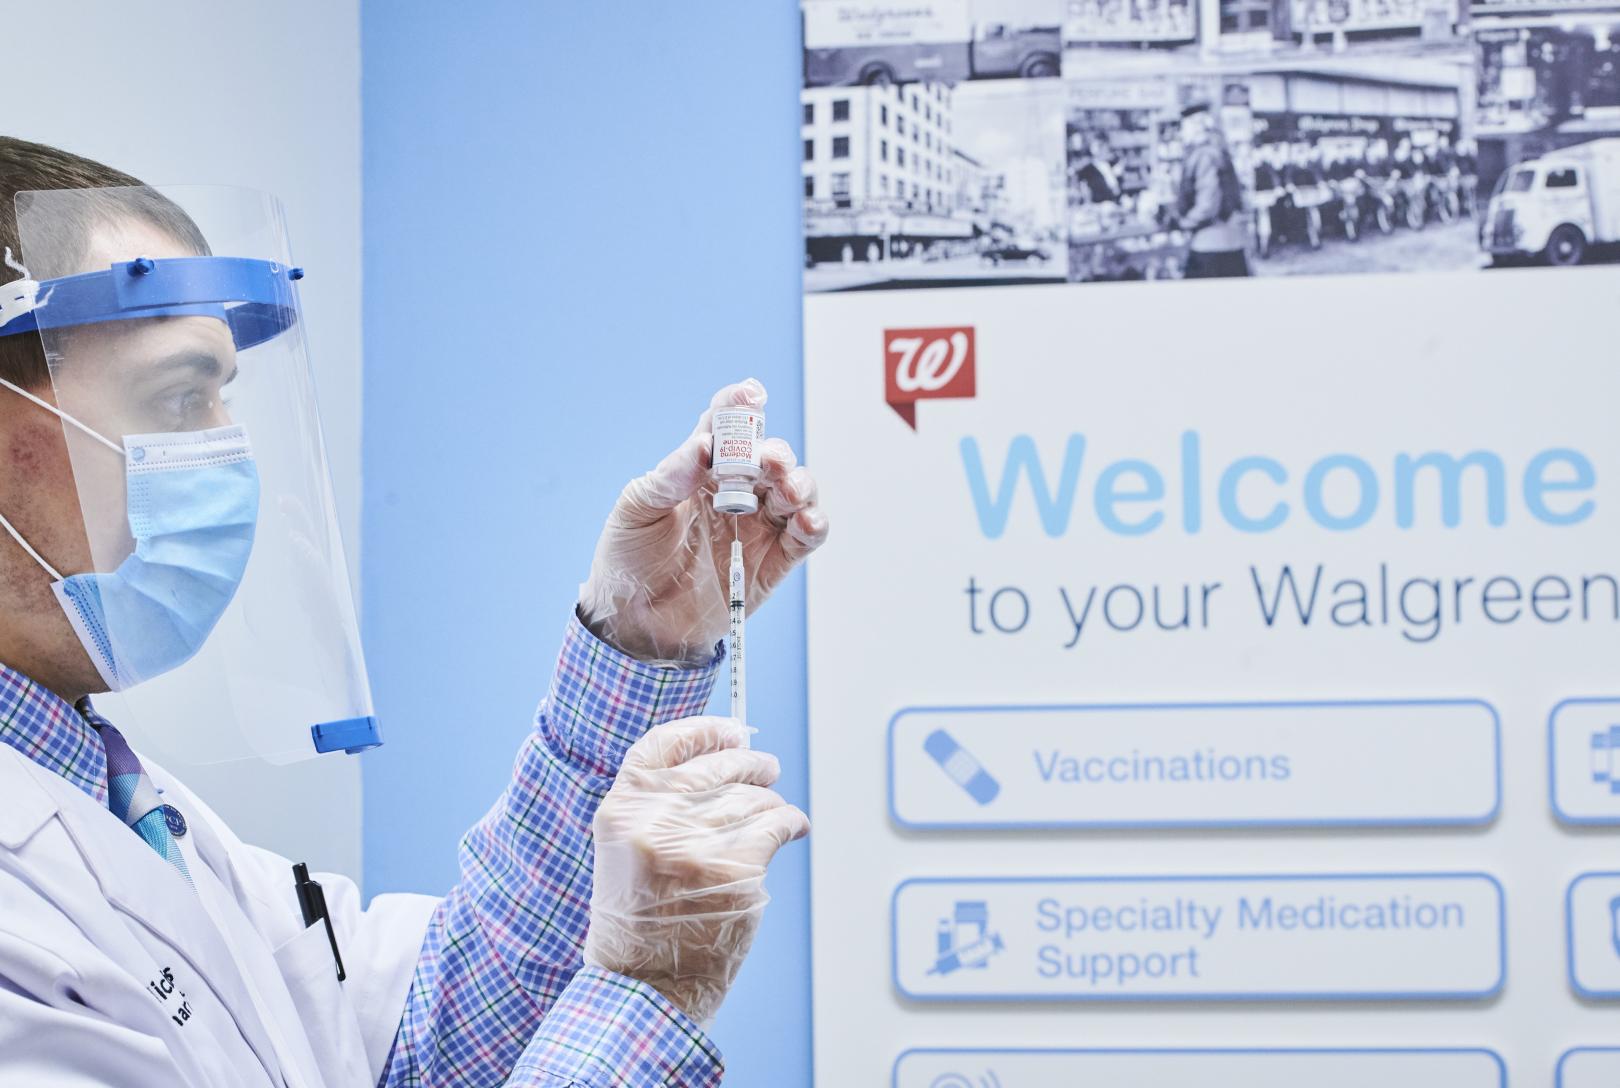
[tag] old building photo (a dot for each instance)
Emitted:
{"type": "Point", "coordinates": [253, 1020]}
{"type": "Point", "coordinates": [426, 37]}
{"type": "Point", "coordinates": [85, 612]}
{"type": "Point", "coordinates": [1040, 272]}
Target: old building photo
{"type": "Point", "coordinates": [933, 185]}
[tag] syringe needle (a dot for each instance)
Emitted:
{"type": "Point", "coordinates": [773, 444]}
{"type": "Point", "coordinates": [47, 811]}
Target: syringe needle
{"type": "Point", "coordinates": [739, 680]}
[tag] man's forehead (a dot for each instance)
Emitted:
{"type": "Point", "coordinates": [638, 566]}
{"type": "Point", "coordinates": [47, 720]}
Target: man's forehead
{"type": "Point", "coordinates": [148, 339]}
{"type": "Point", "coordinates": [126, 238]}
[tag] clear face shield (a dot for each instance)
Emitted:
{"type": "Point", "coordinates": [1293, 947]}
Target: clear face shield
{"type": "Point", "coordinates": [211, 574]}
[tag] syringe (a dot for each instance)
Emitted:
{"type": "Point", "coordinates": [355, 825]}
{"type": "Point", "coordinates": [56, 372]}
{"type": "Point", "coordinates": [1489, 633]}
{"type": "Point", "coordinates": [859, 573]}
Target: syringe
{"type": "Point", "coordinates": [739, 679]}
{"type": "Point", "coordinates": [976, 954]}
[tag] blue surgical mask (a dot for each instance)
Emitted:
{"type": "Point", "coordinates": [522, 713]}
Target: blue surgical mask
{"type": "Point", "coordinates": [193, 504]}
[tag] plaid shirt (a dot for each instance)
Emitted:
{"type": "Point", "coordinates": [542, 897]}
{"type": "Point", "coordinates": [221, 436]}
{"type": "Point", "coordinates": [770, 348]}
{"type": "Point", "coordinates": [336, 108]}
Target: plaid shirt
{"type": "Point", "coordinates": [501, 995]}
{"type": "Point", "coordinates": [44, 727]}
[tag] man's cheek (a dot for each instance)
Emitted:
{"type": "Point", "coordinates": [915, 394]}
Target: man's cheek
{"type": "Point", "coordinates": [45, 495]}
{"type": "Point", "coordinates": [36, 454]}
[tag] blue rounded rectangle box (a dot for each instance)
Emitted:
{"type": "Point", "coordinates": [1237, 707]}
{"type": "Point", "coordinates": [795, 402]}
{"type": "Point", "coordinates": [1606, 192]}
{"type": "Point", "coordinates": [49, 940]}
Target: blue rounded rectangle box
{"type": "Point", "coordinates": [1364, 763]}
{"type": "Point", "coordinates": [1252, 937]}
{"type": "Point", "coordinates": [1202, 1067]}
{"type": "Point", "coordinates": [1589, 1067]}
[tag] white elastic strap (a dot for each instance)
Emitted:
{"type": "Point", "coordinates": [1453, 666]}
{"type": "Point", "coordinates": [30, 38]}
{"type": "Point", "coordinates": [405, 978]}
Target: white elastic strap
{"type": "Point", "coordinates": [29, 548]}
{"type": "Point", "coordinates": [21, 295]}
{"type": "Point", "coordinates": [17, 298]}
{"type": "Point", "coordinates": [63, 416]}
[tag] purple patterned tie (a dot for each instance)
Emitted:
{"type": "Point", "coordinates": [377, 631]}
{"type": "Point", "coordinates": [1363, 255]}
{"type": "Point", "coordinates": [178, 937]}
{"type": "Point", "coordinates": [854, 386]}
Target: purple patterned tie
{"type": "Point", "coordinates": [130, 793]}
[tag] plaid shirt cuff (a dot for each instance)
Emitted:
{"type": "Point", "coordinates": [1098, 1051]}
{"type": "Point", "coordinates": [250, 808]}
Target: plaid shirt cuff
{"type": "Point", "coordinates": [603, 700]}
{"type": "Point", "coordinates": [608, 1031]}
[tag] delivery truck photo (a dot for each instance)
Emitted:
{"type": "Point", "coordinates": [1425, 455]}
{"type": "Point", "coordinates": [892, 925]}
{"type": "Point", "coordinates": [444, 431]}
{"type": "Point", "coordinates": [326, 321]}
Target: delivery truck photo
{"type": "Point", "coordinates": [863, 43]}
{"type": "Point", "coordinates": [1557, 208]}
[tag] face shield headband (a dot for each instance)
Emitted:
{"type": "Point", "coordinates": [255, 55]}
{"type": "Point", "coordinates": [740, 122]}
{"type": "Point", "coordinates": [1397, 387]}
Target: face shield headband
{"type": "Point", "coordinates": [253, 298]}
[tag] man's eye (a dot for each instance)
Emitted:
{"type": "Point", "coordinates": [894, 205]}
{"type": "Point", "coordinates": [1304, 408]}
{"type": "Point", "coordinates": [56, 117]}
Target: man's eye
{"type": "Point", "coordinates": [187, 405]}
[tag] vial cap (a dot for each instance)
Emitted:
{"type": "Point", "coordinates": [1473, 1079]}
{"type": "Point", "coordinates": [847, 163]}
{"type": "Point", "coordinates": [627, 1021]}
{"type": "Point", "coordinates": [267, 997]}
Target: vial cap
{"type": "Point", "coordinates": [736, 502]}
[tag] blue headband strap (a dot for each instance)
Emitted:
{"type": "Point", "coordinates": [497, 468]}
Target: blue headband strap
{"type": "Point", "coordinates": [255, 298]}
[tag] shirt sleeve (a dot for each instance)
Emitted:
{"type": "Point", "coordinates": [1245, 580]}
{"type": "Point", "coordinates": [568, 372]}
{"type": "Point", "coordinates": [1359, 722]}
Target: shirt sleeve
{"type": "Point", "coordinates": [608, 1031]}
{"type": "Point", "coordinates": [501, 964]}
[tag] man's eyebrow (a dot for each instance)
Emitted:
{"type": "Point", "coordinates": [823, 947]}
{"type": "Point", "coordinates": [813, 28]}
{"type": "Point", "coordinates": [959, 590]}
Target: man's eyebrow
{"type": "Point", "coordinates": [204, 363]}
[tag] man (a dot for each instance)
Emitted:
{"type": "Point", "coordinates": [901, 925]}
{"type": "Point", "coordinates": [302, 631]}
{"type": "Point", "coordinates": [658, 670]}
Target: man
{"type": "Point", "coordinates": [1210, 200]}
{"type": "Point", "coordinates": [166, 513]}
{"type": "Point", "coordinates": [1093, 182]}
{"type": "Point", "coordinates": [1377, 166]}
{"type": "Point", "coordinates": [1268, 192]}
{"type": "Point", "coordinates": [1376, 171]}
{"type": "Point", "coordinates": [1305, 167]}
{"type": "Point", "coordinates": [1468, 175]}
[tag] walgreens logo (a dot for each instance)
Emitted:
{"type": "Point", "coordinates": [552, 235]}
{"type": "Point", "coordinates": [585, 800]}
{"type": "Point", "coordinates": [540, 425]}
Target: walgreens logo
{"type": "Point", "coordinates": [927, 364]}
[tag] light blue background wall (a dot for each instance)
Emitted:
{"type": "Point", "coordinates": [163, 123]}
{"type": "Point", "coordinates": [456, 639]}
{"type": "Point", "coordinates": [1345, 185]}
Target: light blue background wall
{"type": "Point", "coordinates": [580, 219]}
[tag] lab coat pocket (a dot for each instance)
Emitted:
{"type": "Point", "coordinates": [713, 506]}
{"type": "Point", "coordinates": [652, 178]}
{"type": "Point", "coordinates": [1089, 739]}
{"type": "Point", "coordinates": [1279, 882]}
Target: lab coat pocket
{"type": "Point", "coordinates": [328, 1018]}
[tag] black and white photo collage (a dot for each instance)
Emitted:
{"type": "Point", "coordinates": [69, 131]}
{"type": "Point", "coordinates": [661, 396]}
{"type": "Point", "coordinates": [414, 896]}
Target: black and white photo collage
{"type": "Point", "coordinates": [971, 142]}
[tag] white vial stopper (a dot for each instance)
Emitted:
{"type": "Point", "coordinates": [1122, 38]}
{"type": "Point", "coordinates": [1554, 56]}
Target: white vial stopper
{"type": "Point", "coordinates": [739, 432]}
{"type": "Point", "coordinates": [736, 502]}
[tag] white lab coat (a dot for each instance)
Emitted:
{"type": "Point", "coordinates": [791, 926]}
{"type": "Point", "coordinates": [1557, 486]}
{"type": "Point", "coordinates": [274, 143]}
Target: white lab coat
{"type": "Point", "coordinates": [95, 927]}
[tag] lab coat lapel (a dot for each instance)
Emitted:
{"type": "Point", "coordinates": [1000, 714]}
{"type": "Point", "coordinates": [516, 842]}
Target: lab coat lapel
{"type": "Point", "coordinates": [149, 890]}
{"type": "Point", "coordinates": [253, 954]}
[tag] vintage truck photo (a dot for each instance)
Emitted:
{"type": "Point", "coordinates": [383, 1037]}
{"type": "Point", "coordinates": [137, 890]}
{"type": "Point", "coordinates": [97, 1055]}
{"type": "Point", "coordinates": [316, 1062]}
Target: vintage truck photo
{"type": "Point", "coordinates": [1556, 208]}
{"type": "Point", "coordinates": [856, 43]}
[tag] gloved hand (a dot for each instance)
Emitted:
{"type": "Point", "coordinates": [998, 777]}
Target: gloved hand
{"type": "Point", "coordinates": [657, 588]}
{"type": "Point", "coordinates": [682, 841]}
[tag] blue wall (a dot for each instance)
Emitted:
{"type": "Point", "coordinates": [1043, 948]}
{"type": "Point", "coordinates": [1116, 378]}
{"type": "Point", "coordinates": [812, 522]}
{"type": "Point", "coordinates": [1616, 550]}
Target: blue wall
{"type": "Point", "coordinates": [572, 210]}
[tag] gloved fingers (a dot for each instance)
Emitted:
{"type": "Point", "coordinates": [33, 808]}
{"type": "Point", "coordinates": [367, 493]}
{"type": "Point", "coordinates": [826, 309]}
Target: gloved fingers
{"type": "Point", "coordinates": [732, 806]}
{"type": "Point", "coordinates": [673, 743]}
{"type": "Point", "coordinates": [804, 532]}
{"type": "Point", "coordinates": [749, 392]}
{"type": "Point", "coordinates": [761, 836]}
{"type": "Point", "coordinates": [712, 770]}
{"type": "Point", "coordinates": [776, 459]}
{"type": "Point", "coordinates": [675, 479]}
{"type": "Point", "coordinates": [787, 494]}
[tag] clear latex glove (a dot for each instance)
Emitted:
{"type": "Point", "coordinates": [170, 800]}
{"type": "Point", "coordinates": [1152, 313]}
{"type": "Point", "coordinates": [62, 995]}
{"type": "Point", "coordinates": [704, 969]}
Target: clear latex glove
{"type": "Point", "coordinates": [657, 584]}
{"type": "Point", "coordinates": [682, 841]}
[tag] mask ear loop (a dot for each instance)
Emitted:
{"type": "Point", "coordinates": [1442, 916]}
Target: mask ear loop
{"type": "Point", "coordinates": [29, 548]}
{"type": "Point", "coordinates": [63, 416]}
{"type": "Point", "coordinates": [5, 524]}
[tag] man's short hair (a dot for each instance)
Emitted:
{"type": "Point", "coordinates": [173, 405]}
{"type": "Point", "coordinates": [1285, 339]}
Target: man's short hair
{"type": "Point", "coordinates": [26, 167]}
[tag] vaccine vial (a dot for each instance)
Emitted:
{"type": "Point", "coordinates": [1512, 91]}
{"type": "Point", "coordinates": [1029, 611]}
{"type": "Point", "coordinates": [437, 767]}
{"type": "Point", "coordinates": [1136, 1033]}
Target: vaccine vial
{"type": "Point", "coordinates": [738, 435]}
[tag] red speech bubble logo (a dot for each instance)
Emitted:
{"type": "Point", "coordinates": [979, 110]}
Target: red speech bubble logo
{"type": "Point", "coordinates": [927, 364]}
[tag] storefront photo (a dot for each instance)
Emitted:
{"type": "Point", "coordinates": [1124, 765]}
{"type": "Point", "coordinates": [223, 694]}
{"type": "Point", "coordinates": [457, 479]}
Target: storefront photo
{"type": "Point", "coordinates": [1351, 166]}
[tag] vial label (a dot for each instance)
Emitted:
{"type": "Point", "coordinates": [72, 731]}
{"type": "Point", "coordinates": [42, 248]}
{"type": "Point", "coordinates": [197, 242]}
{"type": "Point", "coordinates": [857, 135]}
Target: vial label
{"type": "Point", "coordinates": [738, 433]}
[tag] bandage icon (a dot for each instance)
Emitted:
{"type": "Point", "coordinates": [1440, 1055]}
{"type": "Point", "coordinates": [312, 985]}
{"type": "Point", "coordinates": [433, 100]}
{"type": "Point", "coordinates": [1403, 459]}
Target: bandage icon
{"type": "Point", "coordinates": [963, 769]}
